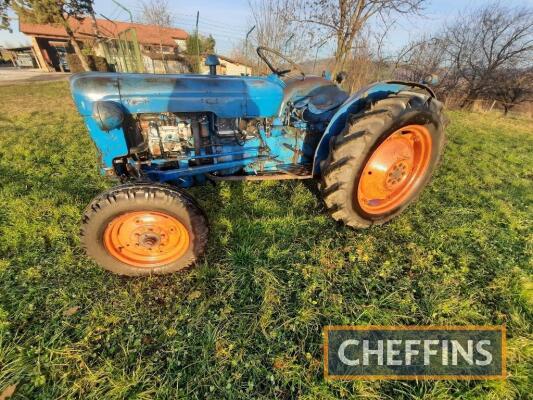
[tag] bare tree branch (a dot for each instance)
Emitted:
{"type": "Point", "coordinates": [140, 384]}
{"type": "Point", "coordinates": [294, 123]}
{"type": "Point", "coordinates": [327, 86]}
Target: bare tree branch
{"type": "Point", "coordinates": [345, 19]}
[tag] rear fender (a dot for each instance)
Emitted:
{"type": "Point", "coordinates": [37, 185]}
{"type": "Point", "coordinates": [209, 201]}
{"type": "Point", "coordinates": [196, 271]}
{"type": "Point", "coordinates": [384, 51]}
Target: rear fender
{"type": "Point", "coordinates": [354, 104]}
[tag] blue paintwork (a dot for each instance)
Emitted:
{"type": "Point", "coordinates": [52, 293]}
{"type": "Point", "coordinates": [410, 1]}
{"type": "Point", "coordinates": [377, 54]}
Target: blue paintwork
{"type": "Point", "coordinates": [296, 89]}
{"type": "Point", "coordinates": [175, 174]}
{"type": "Point", "coordinates": [352, 105]}
{"type": "Point", "coordinates": [224, 96]}
{"type": "Point", "coordinates": [110, 143]}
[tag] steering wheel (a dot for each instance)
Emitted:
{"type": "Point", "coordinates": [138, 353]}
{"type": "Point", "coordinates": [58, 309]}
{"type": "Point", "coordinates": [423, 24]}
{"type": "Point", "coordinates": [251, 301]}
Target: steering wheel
{"type": "Point", "coordinates": [262, 51]}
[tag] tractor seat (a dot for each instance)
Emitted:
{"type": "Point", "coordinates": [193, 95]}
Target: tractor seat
{"type": "Point", "coordinates": [322, 99]}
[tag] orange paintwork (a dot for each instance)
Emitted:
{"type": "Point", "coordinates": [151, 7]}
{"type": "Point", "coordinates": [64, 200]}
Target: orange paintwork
{"type": "Point", "coordinates": [394, 169]}
{"type": "Point", "coordinates": [146, 238]}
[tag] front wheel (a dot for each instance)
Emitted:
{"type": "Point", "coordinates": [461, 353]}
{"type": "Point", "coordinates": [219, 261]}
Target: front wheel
{"type": "Point", "coordinates": [143, 229]}
{"type": "Point", "coordinates": [383, 159]}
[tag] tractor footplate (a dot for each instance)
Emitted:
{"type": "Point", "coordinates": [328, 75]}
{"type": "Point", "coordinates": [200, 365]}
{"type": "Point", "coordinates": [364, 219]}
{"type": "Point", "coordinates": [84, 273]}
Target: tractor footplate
{"type": "Point", "coordinates": [297, 170]}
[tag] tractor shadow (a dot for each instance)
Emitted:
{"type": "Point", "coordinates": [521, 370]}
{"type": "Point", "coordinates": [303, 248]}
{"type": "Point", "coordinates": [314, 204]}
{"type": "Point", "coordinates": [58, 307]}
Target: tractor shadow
{"type": "Point", "coordinates": [249, 220]}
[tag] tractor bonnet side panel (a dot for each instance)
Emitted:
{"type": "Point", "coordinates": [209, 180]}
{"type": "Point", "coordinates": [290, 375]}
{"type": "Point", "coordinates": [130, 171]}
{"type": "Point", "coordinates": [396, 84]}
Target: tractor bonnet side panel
{"type": "Point", "coordinates": [225, 96]}
{"type": "Point", "coordinates": [87, 89]}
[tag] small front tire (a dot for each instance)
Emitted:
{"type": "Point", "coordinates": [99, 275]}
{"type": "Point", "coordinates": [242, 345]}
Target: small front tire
{"type": "Point", "coordinates": [143, 229]}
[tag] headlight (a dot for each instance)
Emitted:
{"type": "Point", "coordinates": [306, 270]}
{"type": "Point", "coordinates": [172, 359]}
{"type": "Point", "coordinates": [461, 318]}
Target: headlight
{"type": "Point", "coordinates": [108, 114]}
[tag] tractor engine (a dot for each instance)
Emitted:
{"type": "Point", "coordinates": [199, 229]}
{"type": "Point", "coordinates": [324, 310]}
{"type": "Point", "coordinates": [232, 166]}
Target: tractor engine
{"type": "Point", "coordinates": [166, 134]}
{"type": "Point", "coordinates": [175, 135]}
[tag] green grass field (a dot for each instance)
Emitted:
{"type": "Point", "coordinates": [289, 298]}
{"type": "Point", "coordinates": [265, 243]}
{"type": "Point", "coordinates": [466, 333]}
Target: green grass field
{"type": "Point", "coordinates": [246, 322]}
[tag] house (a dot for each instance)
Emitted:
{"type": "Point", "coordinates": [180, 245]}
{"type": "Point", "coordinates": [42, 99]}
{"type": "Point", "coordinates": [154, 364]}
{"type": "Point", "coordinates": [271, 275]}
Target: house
{"type": "Point", "coordinates": [228, 66]}
{"type": "Point", "coordinates": [128, 47]}
{"type": "Point", "coordinates": [20, 57]}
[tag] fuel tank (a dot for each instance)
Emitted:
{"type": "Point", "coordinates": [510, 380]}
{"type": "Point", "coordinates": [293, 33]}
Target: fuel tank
{"type": "Point", "coordinates": [226, 96]}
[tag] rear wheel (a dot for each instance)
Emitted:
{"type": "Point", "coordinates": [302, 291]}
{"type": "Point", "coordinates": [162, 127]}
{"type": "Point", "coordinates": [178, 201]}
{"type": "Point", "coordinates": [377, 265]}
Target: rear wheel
{"type": "Point", "coordinates": [142, 229]}
{"type": "Point", "coordinates": [383, 159]}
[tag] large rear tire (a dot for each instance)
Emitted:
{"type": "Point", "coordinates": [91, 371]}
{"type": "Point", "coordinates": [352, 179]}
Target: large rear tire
{"type": "Point", "coordinates": [143, 229]}
{"type": "Point", "coordinates": [383, 159]}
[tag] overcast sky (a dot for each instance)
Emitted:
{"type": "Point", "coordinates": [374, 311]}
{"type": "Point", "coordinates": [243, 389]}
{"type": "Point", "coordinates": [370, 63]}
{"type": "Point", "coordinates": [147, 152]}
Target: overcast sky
{"type": "Point", "coordinates": [228, 20]}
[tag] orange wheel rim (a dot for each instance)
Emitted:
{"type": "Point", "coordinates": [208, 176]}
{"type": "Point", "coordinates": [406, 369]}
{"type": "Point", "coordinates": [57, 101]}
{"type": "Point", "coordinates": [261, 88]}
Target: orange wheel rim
{"type": "Point", "coordinates": [394, 170]}
{"type": "Point", "coordinates": [146, 238]}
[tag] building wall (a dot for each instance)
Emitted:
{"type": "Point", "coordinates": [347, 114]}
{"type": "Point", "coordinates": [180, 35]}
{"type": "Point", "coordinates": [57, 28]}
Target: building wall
{"type": "Point", "coordinates": [234, 68]}
{"type": "Point", "coordinates": [99, 50]}
{"type": "Point", "coordinates": [21, 57]}
{"type": "Point", "coordinates": [228, 68]}
{"type": "Point", "coordinates": [152, 66]}
{"type": "Point", "coordinates": [49, 59]}
{"type": "Point", "coordinates": [182, 44]}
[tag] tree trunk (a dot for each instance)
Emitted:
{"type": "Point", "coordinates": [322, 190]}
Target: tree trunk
{"type": "Point", "coordinates": [76, 46]}
{"type": "Point", "coordinates": [340, 52]}
{"type": "Point", "coordinates": [340, 58]}
{"type": "Point", "coordinates": [80, 55]}
{"type": "Point", "coordinates": [469, 100]}
{"type": "Point", "coordinates": [505, 109]}
{"type": "Point", "coordinates": [465, 103]}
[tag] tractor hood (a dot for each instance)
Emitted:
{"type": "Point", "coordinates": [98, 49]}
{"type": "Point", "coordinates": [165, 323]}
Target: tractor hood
{"type": "Point", "coordinates": [226, 96]}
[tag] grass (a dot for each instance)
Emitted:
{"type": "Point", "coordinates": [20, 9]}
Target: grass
{"type": "Point", "coordinates": [246, 322]}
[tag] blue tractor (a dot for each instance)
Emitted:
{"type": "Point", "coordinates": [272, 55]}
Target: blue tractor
{"type": "Point", "coordinates": [372, 153]}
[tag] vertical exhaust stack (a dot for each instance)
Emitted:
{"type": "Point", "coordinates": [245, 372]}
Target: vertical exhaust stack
{"type": "Point", "coordinates": [212, 61]}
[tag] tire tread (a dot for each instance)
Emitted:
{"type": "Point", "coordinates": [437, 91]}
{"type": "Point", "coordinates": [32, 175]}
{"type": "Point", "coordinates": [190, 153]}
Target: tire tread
{"type": "Point", "coordinates": [349, 146]}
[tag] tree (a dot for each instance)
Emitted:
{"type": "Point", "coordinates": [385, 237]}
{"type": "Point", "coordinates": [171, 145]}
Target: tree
{"type": "Point", "coordinates": [488, 44]}
{"type": "Point", "coordinates": [366, 63]}
{"type": "Point", "coordinates": [4, 18]}
{"type": "Point", "coordinates": [197, 45]}
{"type": "Point", "coordinates": [57, 12]}
{"type": "Point", "coordinates": [424, 59]}
{"type": "Point", "coordinates": [274, 28]}
{"type": "Point", "coordinates": [512, 88]}
{"type": "Point", "coordinates": [343, 20]}
{"type": "Point", "coordinates": [419, 59]}
{"type": "Point", "coordinates": [156, 12]}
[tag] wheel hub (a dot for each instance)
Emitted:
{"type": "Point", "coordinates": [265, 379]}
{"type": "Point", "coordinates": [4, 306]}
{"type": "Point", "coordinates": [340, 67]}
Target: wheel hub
{"type": "Point", "coordinates": [394, 170]}
{"type": "Point", "coordinates": [149, 240]}
{"type": "Point", "coordinates": [146, 238]}
{"type": "Point", "coordinates": [397, 174]}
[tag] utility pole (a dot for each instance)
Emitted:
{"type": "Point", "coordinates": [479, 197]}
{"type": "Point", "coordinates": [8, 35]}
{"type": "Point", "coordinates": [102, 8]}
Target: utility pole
{"type": "Point", "coordinates": [125, 9]}
{"type": "Point", "coordinates": [197, 41]}
{"type": "Point", "coordinates": [246, 47]}
{"type": "Point", "coordinates": [286, 43]}
{"type": "Point", "coordinates": [316, 54]}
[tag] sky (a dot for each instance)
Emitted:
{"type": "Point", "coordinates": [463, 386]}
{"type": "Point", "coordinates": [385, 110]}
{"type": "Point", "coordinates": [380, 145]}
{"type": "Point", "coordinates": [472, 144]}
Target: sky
{"type": "Point", "coordinates": [229, 20]}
